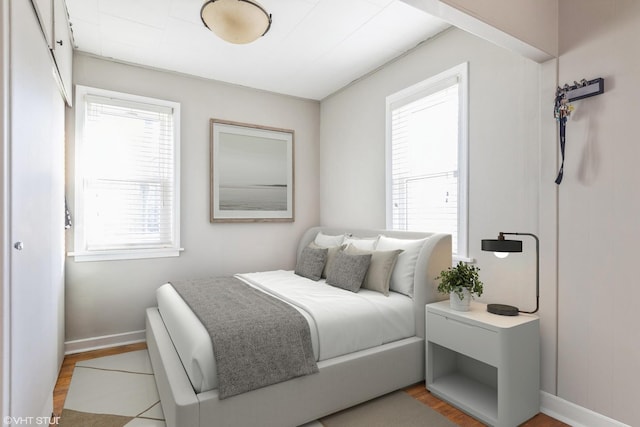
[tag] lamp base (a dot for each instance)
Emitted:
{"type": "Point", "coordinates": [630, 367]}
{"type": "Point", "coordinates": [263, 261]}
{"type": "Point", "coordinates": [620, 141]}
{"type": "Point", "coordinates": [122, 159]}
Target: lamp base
{"type": "Point", "coordinates": [502, 309]}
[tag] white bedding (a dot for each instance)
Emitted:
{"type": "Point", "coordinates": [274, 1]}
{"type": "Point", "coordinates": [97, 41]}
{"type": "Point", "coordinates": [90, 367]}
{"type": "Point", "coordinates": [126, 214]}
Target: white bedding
{"type": "Point", "coordinates": [340, 321]}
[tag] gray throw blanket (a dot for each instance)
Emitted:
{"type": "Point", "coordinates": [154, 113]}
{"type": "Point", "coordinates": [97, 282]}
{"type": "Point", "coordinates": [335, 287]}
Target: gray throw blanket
{"type": "Point", "coordinates": [257, 339]}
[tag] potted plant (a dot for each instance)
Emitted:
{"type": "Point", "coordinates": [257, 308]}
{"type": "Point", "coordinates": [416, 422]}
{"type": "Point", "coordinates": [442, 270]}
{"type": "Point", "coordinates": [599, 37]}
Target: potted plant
{"type": "Point", "coordinates": [461, 283]}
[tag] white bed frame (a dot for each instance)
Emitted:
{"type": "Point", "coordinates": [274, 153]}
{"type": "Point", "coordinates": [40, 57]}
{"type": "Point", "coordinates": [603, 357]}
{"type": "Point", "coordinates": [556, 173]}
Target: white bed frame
{"type": "Point", "coordinates": [342, 381]}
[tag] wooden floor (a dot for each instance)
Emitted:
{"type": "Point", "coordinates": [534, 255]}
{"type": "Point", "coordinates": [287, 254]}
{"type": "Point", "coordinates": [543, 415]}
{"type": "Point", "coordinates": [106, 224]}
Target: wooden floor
{"type": "Point", "coordinates": [417, 391]}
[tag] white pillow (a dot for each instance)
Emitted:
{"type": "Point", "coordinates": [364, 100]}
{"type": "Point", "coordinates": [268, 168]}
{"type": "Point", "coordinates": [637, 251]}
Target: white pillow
{"type": "Point", "coordinates": [403, 272]}
{"type": "Point", "coordinates": [368, 244]}
{"type": "Point", "coordinates": [328, 241]}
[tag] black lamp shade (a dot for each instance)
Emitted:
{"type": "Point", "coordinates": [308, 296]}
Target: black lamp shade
{"type": "Point", "coordinates": [501, 245]}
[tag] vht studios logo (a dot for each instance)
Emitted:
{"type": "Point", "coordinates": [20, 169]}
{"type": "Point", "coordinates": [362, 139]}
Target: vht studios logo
{"type": "Point", "coordinates": [32, 421]}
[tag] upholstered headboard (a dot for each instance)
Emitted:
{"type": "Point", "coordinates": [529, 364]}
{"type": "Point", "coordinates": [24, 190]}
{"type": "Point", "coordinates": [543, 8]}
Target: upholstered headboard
{"type": "Point", "coordinates": [434, 257]}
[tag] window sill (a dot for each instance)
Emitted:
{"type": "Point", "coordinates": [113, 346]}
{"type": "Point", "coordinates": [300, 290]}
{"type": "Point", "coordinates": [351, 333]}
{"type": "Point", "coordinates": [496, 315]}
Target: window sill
{"type": "Point", "coordinates": [115, 255]}
{"type": "Point", "coordinates": [457, 258]}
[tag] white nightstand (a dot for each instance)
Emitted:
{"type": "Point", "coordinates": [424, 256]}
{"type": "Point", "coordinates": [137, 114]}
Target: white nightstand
{"type": "Point", "coordinates": [486, 365]}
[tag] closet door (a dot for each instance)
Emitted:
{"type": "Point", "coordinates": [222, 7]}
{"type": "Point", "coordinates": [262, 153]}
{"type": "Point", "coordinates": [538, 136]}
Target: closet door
{"type": "Point", "coordinates": [37, 218]}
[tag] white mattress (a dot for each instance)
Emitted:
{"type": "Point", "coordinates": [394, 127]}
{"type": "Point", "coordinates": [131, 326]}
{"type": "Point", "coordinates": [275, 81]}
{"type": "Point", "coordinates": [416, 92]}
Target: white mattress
{"type": "Point", "coordinates": [340, 321]}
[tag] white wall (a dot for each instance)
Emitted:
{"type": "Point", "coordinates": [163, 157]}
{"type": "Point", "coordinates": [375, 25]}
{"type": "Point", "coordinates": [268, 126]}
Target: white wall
{"type": "Point", "coordinates": [589, 224]}
{"type": "Point", "coordinates": [599, 211]}
{"type": "Point", "coordinates": [105, 298]}
{"type": "Point", "coordinates": [504, 132]}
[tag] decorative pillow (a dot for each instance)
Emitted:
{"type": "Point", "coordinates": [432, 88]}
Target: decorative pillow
{"type": "Point", "coordinates": [348, 271]}
{"type": "Point", "coordinates": [311, 263]}
{"type": "Point", "coordinates": [331, 255]}
{"type": "Point", "coordinates": [379, 274]}
{"type": "Point", "coordinates": [402, 276]}
{"type": "Point", "coordinates": [367, 244]}
{"type": "Point", "coordinates": [327, 241]}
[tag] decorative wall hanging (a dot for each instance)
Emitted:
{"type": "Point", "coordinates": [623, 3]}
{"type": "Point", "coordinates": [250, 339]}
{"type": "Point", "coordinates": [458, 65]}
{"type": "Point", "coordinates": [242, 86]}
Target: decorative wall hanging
{"type": "Point", "coordinates": [562, 109]}
{"type": "Point", "coordinates": [67, 216]}
{"type": "Point", "coordinates": [252, 173]}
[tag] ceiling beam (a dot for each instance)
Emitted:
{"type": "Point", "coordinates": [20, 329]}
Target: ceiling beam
{"type": "Point", "coordinates": [473, 22]}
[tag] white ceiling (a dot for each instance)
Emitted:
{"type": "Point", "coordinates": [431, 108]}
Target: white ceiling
{"type": "Point", "coordinates": [314, 47]}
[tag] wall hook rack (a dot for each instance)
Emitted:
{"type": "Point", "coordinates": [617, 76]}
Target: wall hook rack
{"type": "Point", "coordinates": [583, 89]}
{"type": "Point", "coordinates": [562, 109]}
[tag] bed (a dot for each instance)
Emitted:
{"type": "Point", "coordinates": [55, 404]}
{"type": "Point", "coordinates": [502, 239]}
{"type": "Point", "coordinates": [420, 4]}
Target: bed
{"type": "Point", "coordinates": [345, 377]}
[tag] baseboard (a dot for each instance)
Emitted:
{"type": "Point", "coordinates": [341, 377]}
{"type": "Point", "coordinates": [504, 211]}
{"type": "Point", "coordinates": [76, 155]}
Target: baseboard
{"type": "Point", "coordinates": [574, 415]}
{"type": "Point", "coordinates": [106, 341]}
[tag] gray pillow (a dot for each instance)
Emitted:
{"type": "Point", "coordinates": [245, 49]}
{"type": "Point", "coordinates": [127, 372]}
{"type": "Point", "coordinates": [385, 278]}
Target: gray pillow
{"type": "Point", "coordinates": [378, 275]}
{"type": "Point", "coordinates": [311, 263]}
{"type": "Point", "coordinates": [331, 254]}
{"type": "Point", "coordinates": [348, 271]}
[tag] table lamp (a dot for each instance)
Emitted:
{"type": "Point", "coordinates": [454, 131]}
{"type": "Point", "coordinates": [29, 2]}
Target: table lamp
{"type": "Point", "coordinates": [504, 246]}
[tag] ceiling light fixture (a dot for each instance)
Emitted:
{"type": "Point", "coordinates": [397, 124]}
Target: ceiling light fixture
{"type": "Point", "coordinates": [236, 21]}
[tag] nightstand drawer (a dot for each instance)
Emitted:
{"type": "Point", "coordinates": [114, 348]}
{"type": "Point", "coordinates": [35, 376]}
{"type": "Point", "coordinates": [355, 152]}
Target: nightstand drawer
{"type": "Point", "coordinates": [465, 338]}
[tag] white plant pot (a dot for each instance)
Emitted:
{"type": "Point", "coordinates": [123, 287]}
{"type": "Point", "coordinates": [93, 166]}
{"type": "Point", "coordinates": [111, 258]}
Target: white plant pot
{"type": "Point", "coordinates": [460, 304]}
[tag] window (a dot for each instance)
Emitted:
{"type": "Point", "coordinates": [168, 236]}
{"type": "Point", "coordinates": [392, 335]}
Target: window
{"type": "Point", "coordinates": [427, 157]}
{"type": "Point", "coordinates": [127, 168]}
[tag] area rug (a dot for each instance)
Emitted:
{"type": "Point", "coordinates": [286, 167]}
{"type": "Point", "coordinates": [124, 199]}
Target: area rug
{"type": "Point", "coordinates": [113, 391]}
{"type": "Point", "coordinates": [397, 409]}
{"type": "Point", "coordinates": [120, 391]}
{"type": "Point", "coordinates": [72, 418]}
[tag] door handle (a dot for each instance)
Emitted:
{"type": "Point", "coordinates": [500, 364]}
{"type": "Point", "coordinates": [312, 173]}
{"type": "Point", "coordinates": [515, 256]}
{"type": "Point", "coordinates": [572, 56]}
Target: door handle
{"type": "Point", "coordinates": [18, 245]}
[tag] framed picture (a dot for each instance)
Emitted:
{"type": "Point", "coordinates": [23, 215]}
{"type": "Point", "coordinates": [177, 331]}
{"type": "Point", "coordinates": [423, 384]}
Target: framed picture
{"type": "Point", "coordinates": [252, 173]}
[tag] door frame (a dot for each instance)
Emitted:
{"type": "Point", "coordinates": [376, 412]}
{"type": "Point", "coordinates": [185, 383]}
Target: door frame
{"type": "Point", "coordinates": [5, 211]}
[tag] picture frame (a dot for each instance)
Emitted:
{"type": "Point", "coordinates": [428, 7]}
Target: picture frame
{"type": "Point", "coordinates": [252, 173]}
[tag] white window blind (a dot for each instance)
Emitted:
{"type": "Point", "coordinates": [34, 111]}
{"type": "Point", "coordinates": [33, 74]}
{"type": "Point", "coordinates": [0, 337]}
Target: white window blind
{"type": "Point", "coordinates": [127, 176]}
{"type": "Point", "coordinates": [425, 141]}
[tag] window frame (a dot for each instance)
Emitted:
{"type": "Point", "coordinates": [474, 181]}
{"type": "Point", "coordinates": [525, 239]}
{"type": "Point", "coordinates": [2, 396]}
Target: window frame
{"type": "Point", "coordinates": [81, 253]}
{"type": "Point", "coordinates": [419, 90]}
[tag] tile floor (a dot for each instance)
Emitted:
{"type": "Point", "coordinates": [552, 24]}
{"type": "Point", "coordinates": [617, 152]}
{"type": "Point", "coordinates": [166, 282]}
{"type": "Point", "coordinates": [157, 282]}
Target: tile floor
{"type": "Point", "coordinates": [121, 385]}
